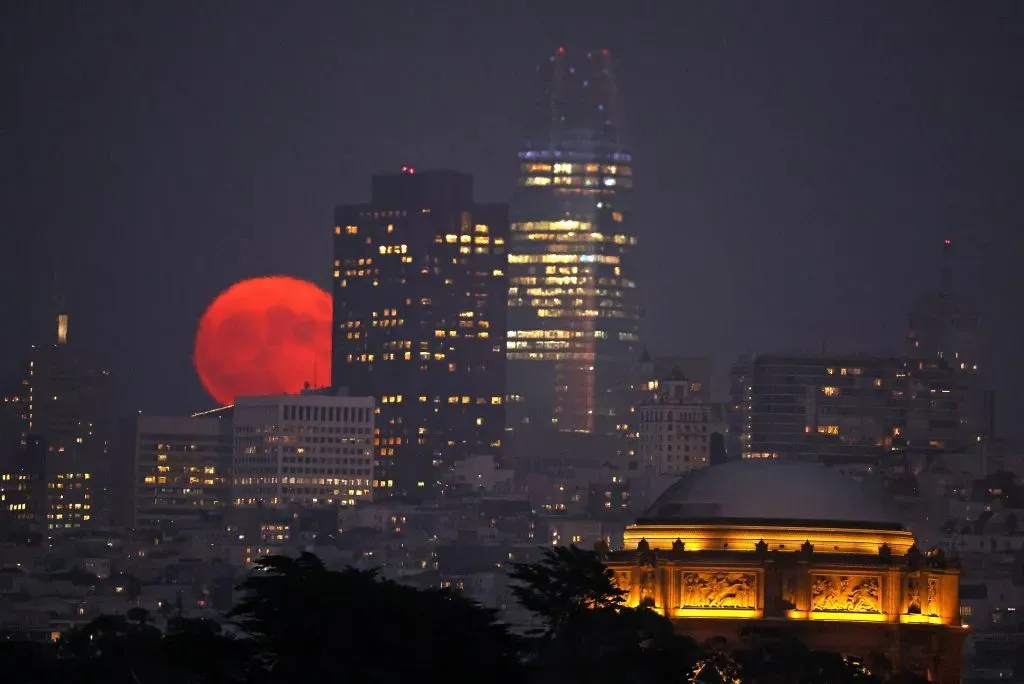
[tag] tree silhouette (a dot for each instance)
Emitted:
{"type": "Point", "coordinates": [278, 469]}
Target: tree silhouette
{"type": "Point", "coordinates": [26, 662]}
{"type": "Point", "coordinates": [565, 582]}
{"type": "Point", "coordinates": [784, 660]}
{"type": "Point", "coordinates": [304, 620]}
{"type": "Point", "coordinates": [198, 652]}
{"type": "Point", "coordinates": [113, 648]}
{"type": "Point", "coordinates": [591, 635]}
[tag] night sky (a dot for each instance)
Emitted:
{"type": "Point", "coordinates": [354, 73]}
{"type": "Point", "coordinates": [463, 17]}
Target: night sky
{"type": "Point", "coordinates": [797, 164]}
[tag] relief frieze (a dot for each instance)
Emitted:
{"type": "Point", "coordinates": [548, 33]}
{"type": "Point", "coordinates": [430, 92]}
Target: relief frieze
{"type": "Point", "coordinates": [719, 590]}
{"type": "Point", "coordinates": [931, 604]}
{"type": "Point", "coordinates": [912, 591]}
{"type": "Point", "coordinates": [846, 594]}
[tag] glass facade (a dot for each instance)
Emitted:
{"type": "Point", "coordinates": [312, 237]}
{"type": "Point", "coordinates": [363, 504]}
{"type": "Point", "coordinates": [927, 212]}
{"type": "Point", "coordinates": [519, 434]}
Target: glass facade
{"type": "Point", "coordinates": [573, 321]}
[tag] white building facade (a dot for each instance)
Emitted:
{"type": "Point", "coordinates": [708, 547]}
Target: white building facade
{"type": "Point", "coordinates": [675, 430]}
{"type": "Point", "coordinates": [309, 449]}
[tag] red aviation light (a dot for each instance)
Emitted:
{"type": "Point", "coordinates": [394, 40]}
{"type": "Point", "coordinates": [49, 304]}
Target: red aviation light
{"type": "Point", "coordinates": [408, 169]}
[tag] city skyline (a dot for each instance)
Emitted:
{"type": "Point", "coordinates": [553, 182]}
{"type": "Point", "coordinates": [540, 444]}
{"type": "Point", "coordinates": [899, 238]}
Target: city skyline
{"type": "Point", "coordinates": [696, 316]}
{"type": "Point", "coordinates": [756, 180]}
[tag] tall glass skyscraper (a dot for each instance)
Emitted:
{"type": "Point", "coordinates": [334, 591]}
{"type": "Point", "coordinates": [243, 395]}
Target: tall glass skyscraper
{"type": "Point", "coordinates": [573, 318]}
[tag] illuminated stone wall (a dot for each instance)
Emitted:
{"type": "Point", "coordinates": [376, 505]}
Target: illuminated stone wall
{"type": "Point", "coordinates": [837, 589]}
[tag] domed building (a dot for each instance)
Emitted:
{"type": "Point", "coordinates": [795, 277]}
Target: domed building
{"type": "Point", "coordinates": [797, 546]}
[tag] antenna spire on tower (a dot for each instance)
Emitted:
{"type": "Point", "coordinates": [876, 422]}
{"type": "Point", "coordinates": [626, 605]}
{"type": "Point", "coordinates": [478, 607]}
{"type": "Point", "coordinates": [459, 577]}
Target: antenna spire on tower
{"type": "Point", "coordinates": [946, 284]}
{"type": "Point", "coordinates": [60, 306]}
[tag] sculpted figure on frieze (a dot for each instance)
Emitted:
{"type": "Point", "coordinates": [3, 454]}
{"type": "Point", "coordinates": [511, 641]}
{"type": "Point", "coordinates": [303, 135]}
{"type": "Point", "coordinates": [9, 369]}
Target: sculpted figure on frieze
{"type": "Point", "coordinates": [719, 590]}
{"type": "Point", "coordinates": [913, 589]}
{"type": "Point", "coordinates": [931, 606]}
{"type": "Point", "coordinates": [846, 594]}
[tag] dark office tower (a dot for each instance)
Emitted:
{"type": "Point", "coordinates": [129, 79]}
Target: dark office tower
{"type": "Point", "coordinates": [573, 318]}
{"type": "Point", "coordinates": [943, 325]}
{"type": "Point", "coordinates": [841, 409]}
{"type": "Point", "coordinates": [419, 322]}
{"type": "Point", "coordinates": [66, 394]}
{"type": "Point", "coordinates": [12, 427]}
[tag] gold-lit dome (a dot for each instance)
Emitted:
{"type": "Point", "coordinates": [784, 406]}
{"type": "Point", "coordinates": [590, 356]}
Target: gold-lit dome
{"type": "Point", "coordinates": [762, 490]}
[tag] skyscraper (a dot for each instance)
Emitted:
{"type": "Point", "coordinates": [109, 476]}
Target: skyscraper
{"type": "Point", "coordinates": [943, 325]}
{"type": "Point", "coordinates": [573, 320]}
{"type": "Point", "coordinates": [66, 394]}
{"type": "Point", "coordinates": [419, 322]}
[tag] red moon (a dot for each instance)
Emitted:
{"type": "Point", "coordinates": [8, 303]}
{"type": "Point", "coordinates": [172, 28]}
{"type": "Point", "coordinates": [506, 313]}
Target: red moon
{"type": "Point", "coordinates": [264, 336]}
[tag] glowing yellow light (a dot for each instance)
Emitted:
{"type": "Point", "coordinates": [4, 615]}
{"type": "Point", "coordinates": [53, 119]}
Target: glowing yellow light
{"type": "Point", "coordinates": [746, 537]}
{"type": "Point", "coordinates": [921, 619]}
{"type": "Point", "coordinates": [847, 617]}
{"type": "Point", "coordinates": [718, 613]}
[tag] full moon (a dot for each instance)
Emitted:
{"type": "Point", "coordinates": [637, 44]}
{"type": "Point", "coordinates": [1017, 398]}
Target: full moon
{"type": "Point", "coordinates": [264, 336]}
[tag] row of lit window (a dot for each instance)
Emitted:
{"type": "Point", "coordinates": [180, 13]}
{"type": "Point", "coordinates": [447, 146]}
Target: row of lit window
{"type": "Point", "coordinates": [558, 301]}
{"type": "Point", "coordinates": [565, 169]}
{"type": "Point", "coordinates": [453, 399]}
{"type": "Point", "coordinates": [162, 479]}
{"type": "Point", "coordinates": [565, 225]}
{"type": "Point", "coordinates": [464, 324]}
{"type": "Point", "coordinates": [549, 334]}
{"type": "Point", "coordinates": [561, 248]}
{"type": "Point", "coordinates": [537, 344]}
{"type": "Point", "coordinates": [466, 239]}
{"type": "Point", "coordinates": [573, 313]}
{"type": "Point", "coordinates": [585, 181]}
{"type": "Point", "coordinates": [551, 356]}
{"type": "Point", "coordinates": [563, 259]}
{"type": "Point", "coordinates": [541, 343]}
{"type": "Point", "coordinates": [579, 238]}
{"type": "Point", "coordinates": [470, 276]}
{"type": "Point", "coordinates": [552, 280]}
{"type": "Point", "coordinates": [324, 482]}
{"type": "Point", "coordinates": [560, 291]}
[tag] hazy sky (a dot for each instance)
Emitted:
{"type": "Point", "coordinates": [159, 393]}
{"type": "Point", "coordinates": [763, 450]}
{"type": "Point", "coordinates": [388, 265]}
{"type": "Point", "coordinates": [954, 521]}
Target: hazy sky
{"type": "Point", "coordinates": [796, 163]}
